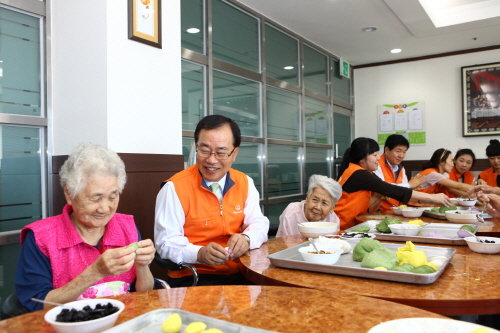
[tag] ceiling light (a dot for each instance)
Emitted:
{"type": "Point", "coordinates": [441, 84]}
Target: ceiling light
{"type": "Point", "coordinates": [369, 29]}
{"type": "Point", "coordinates": [449, 12]}
{"type": "Point", "coordinates": [288, 68]}
{"type": "Point", "coordinates": [396, 51]}
{"type": "Point", "coordinates": [192, 30]}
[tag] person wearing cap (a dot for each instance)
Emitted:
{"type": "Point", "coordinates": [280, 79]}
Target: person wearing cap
{"type": "Point", "coordinates": [322, 195]}
{"type": "Point", "coordinates": [209, 214]}
{"type": "Point", "coordinates": [491, 176]}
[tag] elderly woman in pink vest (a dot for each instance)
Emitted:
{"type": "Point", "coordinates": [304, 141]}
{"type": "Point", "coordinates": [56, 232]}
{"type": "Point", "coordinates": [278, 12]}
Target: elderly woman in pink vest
{"type": "Point", "coordinates": [84, 252]}
{"type": "Point", "coordinates": [322, 195]}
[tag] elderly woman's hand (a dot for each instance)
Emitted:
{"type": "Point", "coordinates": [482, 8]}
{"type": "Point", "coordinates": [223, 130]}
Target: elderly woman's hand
{"type": "Point", "coordinates": [145, 254]}
{"type": "Point", "coordinates": [115, 261]}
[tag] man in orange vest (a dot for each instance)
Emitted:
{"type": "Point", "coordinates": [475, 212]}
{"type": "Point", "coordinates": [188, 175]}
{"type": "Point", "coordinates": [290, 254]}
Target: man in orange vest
{"type": "Point", "coordinates": [209, 214]}
{"type": "Point", "coordinates": [390, 169]}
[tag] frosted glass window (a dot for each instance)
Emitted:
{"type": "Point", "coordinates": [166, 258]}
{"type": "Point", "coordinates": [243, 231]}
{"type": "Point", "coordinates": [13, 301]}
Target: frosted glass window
{"type": "Point", "coordinates": [316, 162]}
{"type": "Point", "coordinates": [20, 176]}
{"type": "Point", "coordinates": [20, 86]}
{"type": "Point", "coordinates": [248, 162]}
{"type": "Point", "coordinates": [193, 95]}
{"type": "Point", "coordinates": [235, 36]}
{"type": "Point", "coordinates": [315, 71]}
{"type": "Point", "coordinates": [341, 86]}
{"type": "Point", "coordinates": [281, 56]}
{"type": "Point", "coordinates": [316, 121]}
{"type": "Point", "coordinates": [283, 170]}
{"type": "Point", "coordinates": [188, 151]}
{"type": "Point", "coordinates": [238, 99]}
{"type": "Point", "coordinates": [282, 114]}
{"type": "Point", "coordinates": [192, 27]}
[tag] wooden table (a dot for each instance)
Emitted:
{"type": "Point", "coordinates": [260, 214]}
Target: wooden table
{"type": "Point", "coordinates": [282, 309]}
{"type": "Point", "coordinates": [468, 286]}
{"type": "Point", "coordinates": [491, 227]}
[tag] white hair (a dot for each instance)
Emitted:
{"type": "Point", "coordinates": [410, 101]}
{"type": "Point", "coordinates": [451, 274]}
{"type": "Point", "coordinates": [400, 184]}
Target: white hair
{"type": "Point", "coordinates": [85, 161]}
{"type": "Point", "coordinates": [328, 184]}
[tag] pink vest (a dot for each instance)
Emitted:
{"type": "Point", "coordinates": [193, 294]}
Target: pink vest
{"type": "Point", "coordinates": [69, 255]}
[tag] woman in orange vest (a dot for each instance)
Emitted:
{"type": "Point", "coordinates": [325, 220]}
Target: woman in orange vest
{"type": "Point", "coordinates": [359, 183]}
{"type": "Point", "coordinates": [491, 176]}
{"type": "Point", "coordinates": [436, 172]}
{"type": "Point", "coordinates": [464, 160]}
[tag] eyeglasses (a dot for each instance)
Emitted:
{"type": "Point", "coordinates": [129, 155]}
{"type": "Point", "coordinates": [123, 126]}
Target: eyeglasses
{"type": "Point", "coordinates": [221, 156]}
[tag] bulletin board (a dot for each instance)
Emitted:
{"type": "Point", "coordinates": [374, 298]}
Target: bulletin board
{"type": "Point", "coordinates": [405, 119]}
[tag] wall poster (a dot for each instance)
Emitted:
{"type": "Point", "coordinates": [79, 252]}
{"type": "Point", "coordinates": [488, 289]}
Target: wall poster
{"type": "Point", "coordinates": [405, 119]}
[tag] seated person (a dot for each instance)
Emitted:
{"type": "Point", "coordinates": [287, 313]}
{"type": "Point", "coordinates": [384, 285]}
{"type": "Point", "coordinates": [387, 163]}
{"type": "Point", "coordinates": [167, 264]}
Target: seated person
{"type": "Point", "coordinates": [359, 184]}
{"type": "Point", "coordinates": [463, 161]}
{"type": "Point", "coordinates": [490, 196]}
{"type": "Point", "coordinates": [209, 214]}
{"type": "Point", "coordinates": [436, 172]}
{"type": "Point", "coordinates": [322, 195]}
{"type": "Point", "coordinates": [491, 176]}
{"type": "Point", "coordinates": [83, 252]}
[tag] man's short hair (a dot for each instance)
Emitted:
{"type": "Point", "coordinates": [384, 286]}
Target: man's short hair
{"type": "Point", "coordinates": [215, 121]}
{"type": "Point", "coordinates": [395, 140]}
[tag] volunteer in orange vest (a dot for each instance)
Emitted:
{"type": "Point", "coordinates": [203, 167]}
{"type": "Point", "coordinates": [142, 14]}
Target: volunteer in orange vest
{"type": "Point", "coordinates": [464, 160]}
{"type": "Point", "coordinates": [209, 214]}
{"type": "Point", "coordinates": [390, 169]}
{"type": "Point", "coordinates": [436, 172]}
{"type": "Point", "coordinates": [359, 183]}
{"type": "Point", "coordinates": [491, 176]}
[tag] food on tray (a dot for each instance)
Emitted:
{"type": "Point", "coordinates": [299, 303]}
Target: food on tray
{"type": "Point", "coordinates": [331, 245]}
{"type": "Point", "coordinates": [172, 324]}
{"type": "Point", "coordinates": [195, 327]}
{"type": "Point", "coordinates": [87, 313]}
{"type": "Point", "coordinates": [409, 255]}
{"type": "Point", "coordinates": [380, 268]}
{"type": "Point", "coordinates": [319, 252]}
{"type": "Point", "coordinates": [441, 209]}
{"type": "Point", "coordinates": [404, 268]}
{"type": "Point", "coordinates": [384, 225]}
{"type": "Point", "coordinates": [356, 235]}
{"type": "Point", "coordinates": [403, 206]}
{"type": "Point", "coordinates": [365, 246]}
{"type": "Point", "coordinates": [416, 222]}
{"type": "Point", "coordinates": [213, 330]}
{"type": "Point", "coordinates": [380, 257]}
{"type": "Point", "coordinates": [424, 269]}
{"type": "Point", "coordinates": [363, 228]}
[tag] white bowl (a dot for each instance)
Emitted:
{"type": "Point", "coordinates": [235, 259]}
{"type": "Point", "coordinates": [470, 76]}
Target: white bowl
{"type": "Point", "coordinates": [396, 210]}
{"type": "Point", "coordinates": [316, 229]}
{"type": "Point", "coordinates": [489, 248]}
{"type": "Point", "coordinates": [461, 216]}
{"type": "Point", "coordinates": [464, 202]}
{"type": "Point", "coordinates": [323, 259]}
{"type": "Point", "coordinates": [411, 212]}
{"type": "Point", "coordinates": [405, 229]}
{"type": "Point", "coordinates": [89, 326]}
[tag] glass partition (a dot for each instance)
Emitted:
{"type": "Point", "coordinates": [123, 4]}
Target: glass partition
{"type": "Point", "coordinates": [283, 170]}
{"type": "Point", "coordinates": [20, 86]}
{"type": "Point", "coordinates": [316, 121]}
{"type": "Point", "coordinates": [315, 71]}
{"type": "Point", "coordinates": [316, 162]}
{"type": "Point", "coordinates": [235, 36]}
{"type": "Point", "coordinates": [282, 114]}
{"type": "Point", "coordinates": [238, 99]}
{"type": "Point", "coordinates": [192, 25]}
{"type": "Point", "coordinates": [281, 56]}
{"type": "Point", "coordinates": [193, 94]}
{"type": "Point", "coordinates": [248, 161]}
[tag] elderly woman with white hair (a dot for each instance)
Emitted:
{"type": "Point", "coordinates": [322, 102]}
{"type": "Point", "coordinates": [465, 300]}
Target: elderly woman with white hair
{"type": "Point", "coordinates": [322, 195]}
{"type": "Point", "coordinates": [84, 252]}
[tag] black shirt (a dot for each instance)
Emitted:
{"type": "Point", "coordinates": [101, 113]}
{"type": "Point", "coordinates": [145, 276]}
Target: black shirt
{"type": "Point", "coordinates": [365, 180]}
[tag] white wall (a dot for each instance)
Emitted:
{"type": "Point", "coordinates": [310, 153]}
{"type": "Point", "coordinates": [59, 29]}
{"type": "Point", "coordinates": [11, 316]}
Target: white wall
{"type": "Point", "coordinates": [108, 89]}
{"type": "Point", "coordinates": [437, 83]}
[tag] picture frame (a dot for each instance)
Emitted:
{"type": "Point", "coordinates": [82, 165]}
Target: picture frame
{"type": "Point", "coordinates": [481, 99]}
{"type": "Point", "coordinates": [144, 21]}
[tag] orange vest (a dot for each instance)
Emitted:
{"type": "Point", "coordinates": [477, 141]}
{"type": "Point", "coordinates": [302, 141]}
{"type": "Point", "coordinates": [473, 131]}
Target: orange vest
{"type": "Point", "coordinates": [455, 176]}
{"type": "Point", "coordinates": [386, 205]}
{"type": "Point", "coordinates": [353, 204]}
{"type": "Point", "coordinates": [207, 220]}
{"type": "Point", "coordinates": [490, 176]}
{"type": "Point", "coordinates": [436, 188]}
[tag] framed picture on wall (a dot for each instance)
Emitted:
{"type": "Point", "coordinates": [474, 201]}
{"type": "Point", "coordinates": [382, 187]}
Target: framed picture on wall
{"type": "Point", "coordinates": [481, 99]}
{"type": "Point", "coordinates": [144, 21]}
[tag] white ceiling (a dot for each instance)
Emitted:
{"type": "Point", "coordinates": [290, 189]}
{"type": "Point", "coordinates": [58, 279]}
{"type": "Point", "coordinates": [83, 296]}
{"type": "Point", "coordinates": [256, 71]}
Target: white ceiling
{"type": "Point", "coordinates": [335, 25]}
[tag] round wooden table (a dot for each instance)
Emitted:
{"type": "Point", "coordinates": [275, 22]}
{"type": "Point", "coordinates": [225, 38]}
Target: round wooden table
{"type": "Point", "coordinates": [282, 309]}
{"type": "Point", "coordinates": [468, 286]}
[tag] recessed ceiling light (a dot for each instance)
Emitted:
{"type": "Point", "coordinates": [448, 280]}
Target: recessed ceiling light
{"type": "Point", "coordinates": [369, 29]}
{"type": "Point", "coordinates": [193, 30]}
{"type": "Point", "coordinates": [396, 51]}
{"type": "Point", "coordinates": [288, 68]}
